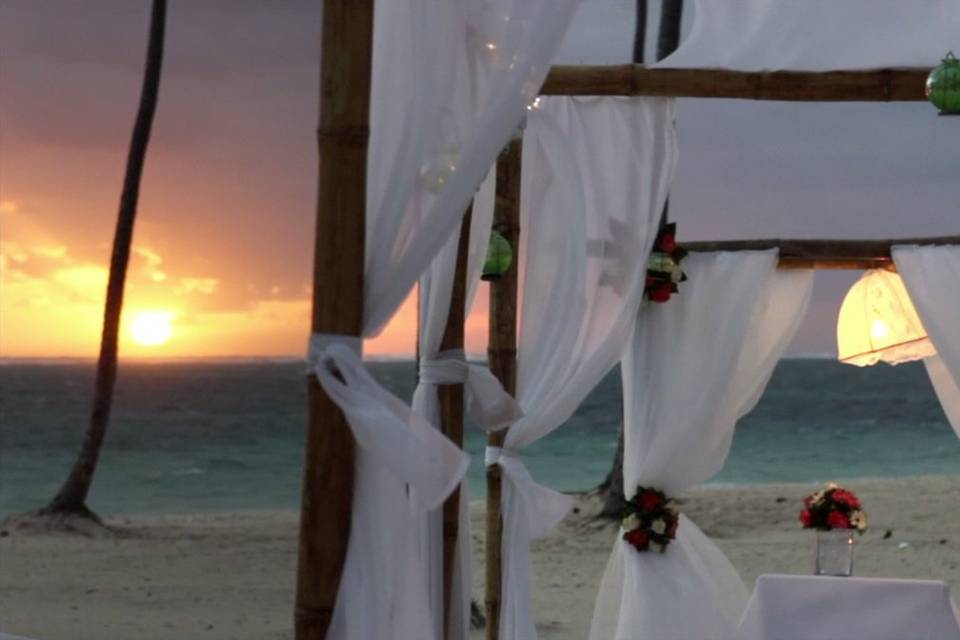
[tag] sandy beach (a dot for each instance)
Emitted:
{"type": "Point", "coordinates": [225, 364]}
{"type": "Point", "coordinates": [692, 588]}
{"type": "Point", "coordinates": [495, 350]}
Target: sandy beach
{"type": "Point", "coordinates": [231, 575]}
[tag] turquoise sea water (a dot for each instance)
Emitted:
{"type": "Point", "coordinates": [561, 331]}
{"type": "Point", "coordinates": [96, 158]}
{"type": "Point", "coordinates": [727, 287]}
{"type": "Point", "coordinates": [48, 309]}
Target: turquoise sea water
{"type": "Point", "coordinates": [189, 437]}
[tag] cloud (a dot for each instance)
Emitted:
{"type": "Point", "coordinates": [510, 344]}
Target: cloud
{"type": "Point", "coordinates": [205, 286]}
{"type": "Point", "coordinates": [56, 252]}
{"type": "Point", "coordinates": [152, 257]}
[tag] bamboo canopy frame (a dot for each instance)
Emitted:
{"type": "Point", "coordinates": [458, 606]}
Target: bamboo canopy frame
{"type": "Point", "coordinates": [342, 135]}
{"type": "Point", "coordinates": [825, 254]}
{"type": "Point", "coordinates": [450, 397]}
{"type": "Point", "coordinates": [882, 85]}
{"type": "Point", "coordinates": [502, 355]}
{"type": "Point", "coordinates": [339, 260]}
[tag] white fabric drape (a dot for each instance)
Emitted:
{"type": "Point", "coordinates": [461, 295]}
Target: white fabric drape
{"type": "Point", "coordinates": [450, 83]}
{"type": "Point", "coordinates": [817, 35]}
{"type": "Point", "coordinates": [395, 448]}
{"type": "Point", "coordinates": [932, 277]}
{"type": "Point", "coordinates": [696, 364]}
{"type": "Point", "coordinates": [595, 177]}
{"type": "Point", "coordinates": [785, 607]}
{"type": "Point", "coordinates": [486, 402]}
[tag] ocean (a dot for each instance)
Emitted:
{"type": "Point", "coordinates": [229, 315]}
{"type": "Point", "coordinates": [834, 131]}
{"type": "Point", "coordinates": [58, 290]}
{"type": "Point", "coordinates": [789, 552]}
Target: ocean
{"type": "Point", "coordinates": [228, 435]}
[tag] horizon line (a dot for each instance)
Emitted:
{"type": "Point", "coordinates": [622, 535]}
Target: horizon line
{"type": "Point", "coordinates": [272, 359]}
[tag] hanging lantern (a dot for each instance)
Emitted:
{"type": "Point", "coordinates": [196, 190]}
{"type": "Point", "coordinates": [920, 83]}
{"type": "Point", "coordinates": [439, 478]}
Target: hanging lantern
{"type": "Point", "coordinates": [943, 86]}
{"type": "Point", "coordinates": [878, 322]}
{"type": "Point", "coordinates": [499, 258]}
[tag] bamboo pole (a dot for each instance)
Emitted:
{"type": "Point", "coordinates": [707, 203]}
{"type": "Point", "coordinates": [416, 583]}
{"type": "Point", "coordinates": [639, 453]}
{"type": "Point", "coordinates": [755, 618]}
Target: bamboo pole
{"type": "Point", "coordinates": [640, 32]}
{"type": "Point", "coordinates": [825, 253]}
{"type": "Point", "coordinates": [451, 411]}
{"type": "Point", "coordinates": [837, 264]}
{"type": "Point", "coordinates": [346, 53]}
{"type": "Point", "coordinates": [883, 85]}
{"type": "Point", "coordinates": [502, 354]}
{"type": "Point", "coordinates": [668, 36]}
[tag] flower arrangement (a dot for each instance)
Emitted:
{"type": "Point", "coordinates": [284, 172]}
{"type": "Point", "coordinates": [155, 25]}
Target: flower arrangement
{"type": "Point", "coordinates": [649, 523]}
{"type": "Point", "coordinates": [833, 507]}
{"type": "Point", "coordinates": [663, 265]}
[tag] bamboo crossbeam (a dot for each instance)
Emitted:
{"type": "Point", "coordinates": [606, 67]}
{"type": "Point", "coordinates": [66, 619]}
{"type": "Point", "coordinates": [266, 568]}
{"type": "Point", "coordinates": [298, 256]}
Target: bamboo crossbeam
{"type": "Point", "coordinates": [328, 477]}
{"type": "Point", "coordinates": [883, 85]}
{"type": "Point", "coordinates": [836, 264]}
{"type": "Point", "coordinates": [450, 398]}
{"type": "Point", "coordinates": [502, 355]}
{"type": "Point", "coordinates": [824, 253]}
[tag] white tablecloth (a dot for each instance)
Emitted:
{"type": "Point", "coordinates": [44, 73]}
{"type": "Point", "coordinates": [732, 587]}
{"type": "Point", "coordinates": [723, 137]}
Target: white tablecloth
{"type": "Point", "coordinates": [821, 608]}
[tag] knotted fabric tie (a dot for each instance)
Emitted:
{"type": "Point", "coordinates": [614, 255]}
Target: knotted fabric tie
{"type": "Point", "coordinates": [487, 403]}
{"type": "Point", "coordinates": [530, 511]}
{"type": "Point", "coordinates": [544, 506]}
{"type": "Point", "coordinates": [384, 425]}
{"type": "Point", "coordinates": [320, 341]}
{"type": "Point", "coordinates": [493, 455]}
{"type": "Point", "coordinates": [404, 467]}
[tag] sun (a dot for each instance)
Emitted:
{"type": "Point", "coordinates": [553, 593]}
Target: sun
{"type": "Point", "coordinates": [152, 328]}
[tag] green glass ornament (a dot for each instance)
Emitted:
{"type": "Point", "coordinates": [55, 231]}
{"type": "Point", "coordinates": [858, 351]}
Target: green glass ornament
{"type": "Point", "coordinates": [943, 86]}
{"type": "Point", "coordinates": [499, 258]}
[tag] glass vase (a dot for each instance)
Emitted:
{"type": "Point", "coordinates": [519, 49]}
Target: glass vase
{"type": "Point", "coordinates": [834, 553]}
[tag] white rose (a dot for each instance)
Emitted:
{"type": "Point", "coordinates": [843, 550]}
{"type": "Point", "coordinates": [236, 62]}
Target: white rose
{"type": "Point", "coordinates": [659, 526]}
{"type": "Point", "coordinates": [631, 522]}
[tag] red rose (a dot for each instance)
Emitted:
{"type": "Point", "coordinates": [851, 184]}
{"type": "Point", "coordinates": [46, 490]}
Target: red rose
{"type": "Point", "coordinates": [660, 293]}
{"type": "Point", "coordinates": [837, 520]}
{"type": "Point", "coordinates": [668, 243]}
{"type": "Point", "coordinates": [638, 538]}
{"type": "Point", "coordinates": [672, 528]}
{"type": "Point", "coordinates": [808, 501]}
{"type": "Point", "coordinates": [650, 500]}
{"type": "Point", "coordinates": [806, 518]}
{"type": "Point", "coordinates": [842, 496]}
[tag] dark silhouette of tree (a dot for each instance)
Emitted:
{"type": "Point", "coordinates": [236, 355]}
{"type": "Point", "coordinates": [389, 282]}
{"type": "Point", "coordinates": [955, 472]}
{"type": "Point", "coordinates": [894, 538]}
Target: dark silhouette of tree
{"type": "Point", "coordinates": [70, 502]}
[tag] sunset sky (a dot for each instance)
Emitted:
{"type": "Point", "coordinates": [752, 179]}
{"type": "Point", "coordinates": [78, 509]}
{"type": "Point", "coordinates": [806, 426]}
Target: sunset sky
{"type": "Point", "coordinates": [224, 233]}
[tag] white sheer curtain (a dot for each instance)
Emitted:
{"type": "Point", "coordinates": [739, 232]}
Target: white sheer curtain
{"type": "Point", "coordinates": [451, 82]}
{"type": "Point", "coordinates": [595, 177]}
{"type": "Point", "coordinates": [817, 35]}
{"type": "Point", "coordinates": [487, 403]}
{"type": "Point", "coordinates": [932, 277]}
{"type": "Point", "coordinates": [383, 591]}
{"type": "Point", "coordinates": [695, 366]}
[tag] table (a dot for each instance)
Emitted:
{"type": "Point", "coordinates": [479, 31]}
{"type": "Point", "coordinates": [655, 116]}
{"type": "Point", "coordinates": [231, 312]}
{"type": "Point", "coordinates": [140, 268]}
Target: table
{"type": "Point", "coordinates": [824, 608]}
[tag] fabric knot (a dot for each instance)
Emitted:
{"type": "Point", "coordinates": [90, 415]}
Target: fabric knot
{"type": "Point", "coordinates": [449, 367]}
{"type": "Point", "coordinates": [319, 343]}
{"type": "Point", "coordinates": [486, 402]}
{"type": "Point", "coordinates": [497, 455]}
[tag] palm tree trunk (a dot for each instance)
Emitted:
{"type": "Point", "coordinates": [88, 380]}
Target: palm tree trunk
{"type": "Point", "coordinates": [73, 494]}
{"type": "Point", "coordinates": [611, 490]}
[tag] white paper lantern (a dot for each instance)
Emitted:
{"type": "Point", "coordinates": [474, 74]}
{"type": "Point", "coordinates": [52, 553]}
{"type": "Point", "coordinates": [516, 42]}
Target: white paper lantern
{"type": "Point", "coordinates": [879, 323]}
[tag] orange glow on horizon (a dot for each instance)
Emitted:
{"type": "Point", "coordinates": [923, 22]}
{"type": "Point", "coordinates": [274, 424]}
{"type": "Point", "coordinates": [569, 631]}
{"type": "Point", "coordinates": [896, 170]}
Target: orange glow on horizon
{"type": "Point", "coordinates": [51, 305]}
